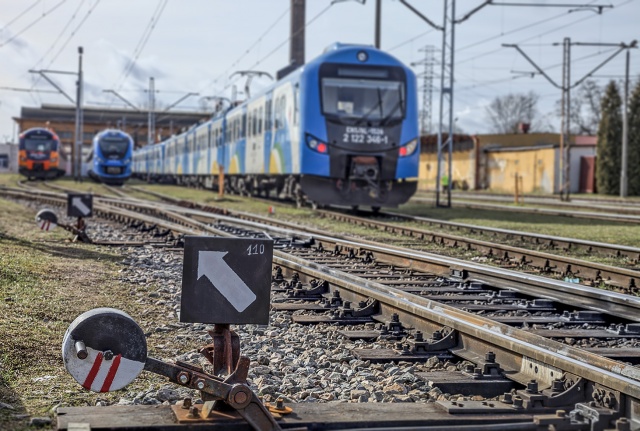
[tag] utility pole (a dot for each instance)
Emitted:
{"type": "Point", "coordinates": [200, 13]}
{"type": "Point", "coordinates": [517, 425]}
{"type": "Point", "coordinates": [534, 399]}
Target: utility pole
{"type": "Point", "coordinates": [296, 46]}
{"type": "Point", "coordinates": [624, 180]}
{"type": "Point", "coordinates": [79, 118]}
{"type": "Point", "coordinates": [565, 133]}
{"type": "Point", "coordinates": [76, 146]}
{"type": "Point", "coordinates": [378, 22]}
{"type": "Point", "coordinates": [565, 144]}
{"type": "Point", "coordinates": [447, 67]}
{"type": "Point", "coordinates": [151, 121]}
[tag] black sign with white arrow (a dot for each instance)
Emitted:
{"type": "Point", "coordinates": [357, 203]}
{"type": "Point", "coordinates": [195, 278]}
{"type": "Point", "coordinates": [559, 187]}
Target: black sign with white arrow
{"type": "Point", "coordinates": [79, 205]}
{"type": "Point", "coordinates": [226, 280]}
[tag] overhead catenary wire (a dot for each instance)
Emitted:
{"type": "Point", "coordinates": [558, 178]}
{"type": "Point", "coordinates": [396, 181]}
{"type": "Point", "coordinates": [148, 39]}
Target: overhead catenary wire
{"type": "Point", "coordinates": [274, 50]}
{"type": "Point", "coordinates": [559, 28]}
{"type": "Point", "coordinates": [247, 51]}
{"type": "Point", "coordinates": [21, 14]}
{"type": "Point", "coordinates": [73, 32]}
{"type": "Point", "coordinates": [34, 22]}
{"type": "Point", "coordinates": [146, 34]}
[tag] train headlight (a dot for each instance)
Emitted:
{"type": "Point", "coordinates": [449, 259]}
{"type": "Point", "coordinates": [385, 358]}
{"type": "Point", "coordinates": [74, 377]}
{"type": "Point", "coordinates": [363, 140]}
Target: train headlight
{"type": "Point", "coordinates": [317, 145]}
{"type": "Point", "coordinates": [408, 149]}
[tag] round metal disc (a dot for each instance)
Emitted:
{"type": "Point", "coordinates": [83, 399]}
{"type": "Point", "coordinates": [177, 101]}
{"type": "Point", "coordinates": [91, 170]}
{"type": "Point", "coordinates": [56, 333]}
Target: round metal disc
{"type": "Point", "coordinates": [104, 349]}
{"type": "Point", "coordinates": [46, 219]}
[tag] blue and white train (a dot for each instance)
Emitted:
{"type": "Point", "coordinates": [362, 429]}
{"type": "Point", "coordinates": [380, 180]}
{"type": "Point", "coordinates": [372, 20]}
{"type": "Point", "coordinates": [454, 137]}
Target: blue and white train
{"type": "Point", "coordinates": [341, 130]}
{"type": "Point", "coordinates": [111, 157]}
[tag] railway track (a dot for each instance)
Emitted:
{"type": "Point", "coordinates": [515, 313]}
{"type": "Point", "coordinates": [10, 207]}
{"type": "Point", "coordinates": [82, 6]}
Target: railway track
{"type": "Point", "coordinates": [629, 215]}
{"type": "Point", "coordinates": [624, 279]}
{"type": "Point", "coordinates": [493, 318]}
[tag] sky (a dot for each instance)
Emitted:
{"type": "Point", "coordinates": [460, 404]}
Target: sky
{"type": "Point", "coordinates": [195, 46]}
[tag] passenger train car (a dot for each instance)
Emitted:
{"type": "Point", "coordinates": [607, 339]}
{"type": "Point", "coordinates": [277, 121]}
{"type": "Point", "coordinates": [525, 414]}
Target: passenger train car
{"type": "Point", "coordinates": [39, 154]}
{"type": "Point", "coordinates": [111, 157]}
{"type": "Point", "coordinates": [341, 130]}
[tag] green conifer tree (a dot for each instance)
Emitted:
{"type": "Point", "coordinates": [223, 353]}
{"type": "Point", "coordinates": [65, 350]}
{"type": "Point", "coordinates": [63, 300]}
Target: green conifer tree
{"type": "Point", "coordinates": [609, 142]}
{"type": "Point", "coordinates": [633, 148]}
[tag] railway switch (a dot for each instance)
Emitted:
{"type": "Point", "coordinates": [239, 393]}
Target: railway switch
{"type": "Point", "coordinates": [104, 350]}
{"type": "Point", "coordinates": [47, 220]}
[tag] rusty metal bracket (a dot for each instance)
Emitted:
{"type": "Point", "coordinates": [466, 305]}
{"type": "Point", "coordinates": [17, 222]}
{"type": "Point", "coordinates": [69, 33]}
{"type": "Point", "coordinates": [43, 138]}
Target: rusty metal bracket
{"type": "Point", "coordinates": [79, 231]}
{"type": "Point", "coordinates": [231, 394]}
{"type": "Point", "coordinates": [224, 352]}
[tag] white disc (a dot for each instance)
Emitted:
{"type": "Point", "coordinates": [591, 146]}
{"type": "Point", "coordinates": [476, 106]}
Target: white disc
{"type": "Point", "coordinates": [104, 349]}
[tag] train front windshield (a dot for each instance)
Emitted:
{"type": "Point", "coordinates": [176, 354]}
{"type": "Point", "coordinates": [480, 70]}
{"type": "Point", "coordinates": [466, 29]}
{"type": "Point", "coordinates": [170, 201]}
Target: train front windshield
{"type": "Point", "coordinates": [356, 96]}
{"type": "Point", "coordinates": [41, 144]}
{"type": "Point", "coordinates": [113, 148]}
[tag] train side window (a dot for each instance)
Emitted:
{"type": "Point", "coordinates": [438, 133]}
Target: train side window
{"type": "Point", "coordinates": [260, 120]}
{"type": "Point", "coordinates": [250, 119]}
{"type": "Point", "coordinates": [296, 104]}
{"type": "Point", "coordinates": [254, 123]}
{"type": "Point", "coordinates": [245, 126]}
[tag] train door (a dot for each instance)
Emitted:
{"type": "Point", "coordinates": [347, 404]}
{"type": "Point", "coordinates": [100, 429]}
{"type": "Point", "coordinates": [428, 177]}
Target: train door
{"type": "Point", "coordinates": [267, 131]}
{"type": "Point", "coordinates": [255, 139]}
{"type": "Point", "coordinates": [200, 154]}
{"type": "Point", "coordinates": [280, 157]}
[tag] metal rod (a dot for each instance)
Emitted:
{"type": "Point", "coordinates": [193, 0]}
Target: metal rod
{"type": "Point", "coordinates": [378, 20]}
{"type": "Point", "coordinates": [625, 133]}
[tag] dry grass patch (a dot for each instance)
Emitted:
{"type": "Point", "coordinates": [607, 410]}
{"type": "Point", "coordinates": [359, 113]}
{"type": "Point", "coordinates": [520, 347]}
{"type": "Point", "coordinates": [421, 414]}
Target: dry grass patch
{"type": "Point", "coordinates": [45, 283]}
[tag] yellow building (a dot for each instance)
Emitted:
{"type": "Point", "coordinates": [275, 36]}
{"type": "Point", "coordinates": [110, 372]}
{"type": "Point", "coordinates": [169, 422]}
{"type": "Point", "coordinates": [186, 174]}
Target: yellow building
{"type": "Point", "coordinates": [495, 161]}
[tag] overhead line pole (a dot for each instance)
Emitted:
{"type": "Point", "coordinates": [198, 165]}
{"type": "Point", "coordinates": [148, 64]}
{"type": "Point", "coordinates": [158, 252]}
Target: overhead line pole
{"type": "Point", "coordinates": [79, 118]}
{"type": "Point", "coordinates": [565, 141]}
{"type": "Point", "coordinates": [448, 65]}
{"type": "Point", "coordinates": [76, 146]}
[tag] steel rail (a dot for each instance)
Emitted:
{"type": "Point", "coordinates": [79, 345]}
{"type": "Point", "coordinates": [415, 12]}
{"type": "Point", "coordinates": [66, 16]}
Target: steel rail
{"type": "Point", "coordinates": [634, 219]}
{"type": "Point", "coordinates": [608, 302]}
{"type": "Point", "coordinates": [555, 242]}
{"type": "Point", "coordinates": [514, 349]}
{"type": "Point", "coordinates": [612, 303]}
{"type": "Point", "coordinates": [576, 203]}
{"type": "Point", "coordinates": [512, 346]}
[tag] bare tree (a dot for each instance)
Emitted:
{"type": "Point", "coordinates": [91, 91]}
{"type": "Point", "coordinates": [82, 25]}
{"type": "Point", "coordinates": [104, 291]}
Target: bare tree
{"type": "Point", "coordinates": [585, 108]}
{"type": "Point", "coordinates": [506, 112]}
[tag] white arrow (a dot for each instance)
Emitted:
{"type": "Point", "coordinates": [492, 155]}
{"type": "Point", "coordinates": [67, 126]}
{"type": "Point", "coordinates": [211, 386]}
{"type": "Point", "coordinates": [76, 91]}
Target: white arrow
{"type": "Point", "coordinates": [77, 202]}
{"type": "Point", "coordinates": [212, 266]}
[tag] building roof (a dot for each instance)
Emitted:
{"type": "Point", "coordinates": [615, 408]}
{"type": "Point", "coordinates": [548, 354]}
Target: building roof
{"type": "Point", "coordinates": [95, 114]}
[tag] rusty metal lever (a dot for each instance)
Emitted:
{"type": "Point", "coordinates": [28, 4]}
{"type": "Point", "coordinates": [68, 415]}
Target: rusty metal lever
{"type": "Point", "coordinates": [236, 395]}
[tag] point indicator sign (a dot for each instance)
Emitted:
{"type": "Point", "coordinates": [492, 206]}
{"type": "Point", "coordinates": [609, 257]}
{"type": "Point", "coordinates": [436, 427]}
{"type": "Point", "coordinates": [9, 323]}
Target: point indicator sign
{"type": "Point", "coordinates": [79, 205]}
{"type": "Point", "coordinates": [226, 280]}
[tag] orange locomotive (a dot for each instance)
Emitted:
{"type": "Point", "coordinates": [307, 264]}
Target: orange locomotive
{"type": "Point", "coordinates": [39, 154]}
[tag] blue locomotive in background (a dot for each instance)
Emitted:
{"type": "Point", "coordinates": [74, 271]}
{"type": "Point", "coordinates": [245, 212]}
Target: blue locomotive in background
{"type": "Point", "coordinates": [111, 157]}
{"type": "Point", "coordinates": [340, 130]}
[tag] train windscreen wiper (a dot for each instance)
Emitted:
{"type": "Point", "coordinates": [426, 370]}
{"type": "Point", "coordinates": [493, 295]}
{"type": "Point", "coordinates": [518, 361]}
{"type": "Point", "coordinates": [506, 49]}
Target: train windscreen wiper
{"type": "Point", "coordinates": [378, 105]}
{"type": "Point", "coordinates": [389, 116]}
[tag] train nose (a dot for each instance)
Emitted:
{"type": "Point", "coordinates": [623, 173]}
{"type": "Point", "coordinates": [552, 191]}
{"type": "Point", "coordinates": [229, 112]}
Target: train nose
{"type": "Point", "coordinates": [365, 168]}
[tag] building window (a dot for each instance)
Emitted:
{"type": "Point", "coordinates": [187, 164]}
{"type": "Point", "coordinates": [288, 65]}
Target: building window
{"type": "Point", "coordinates": [65, 135]}
{"type": "Point", "coordinates": [4, 161]}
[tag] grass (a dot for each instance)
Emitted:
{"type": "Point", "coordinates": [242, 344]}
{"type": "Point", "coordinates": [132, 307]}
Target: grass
{"type": "Point", "coordinates": [586, 229]}
{"type": "Point", "coordinates": [45, 282]}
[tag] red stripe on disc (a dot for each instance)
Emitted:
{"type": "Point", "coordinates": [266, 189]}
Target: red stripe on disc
{"type": "Point", "coordinates": [93, 373]}
{"type": "Point", "coordinates": [112, 374]}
